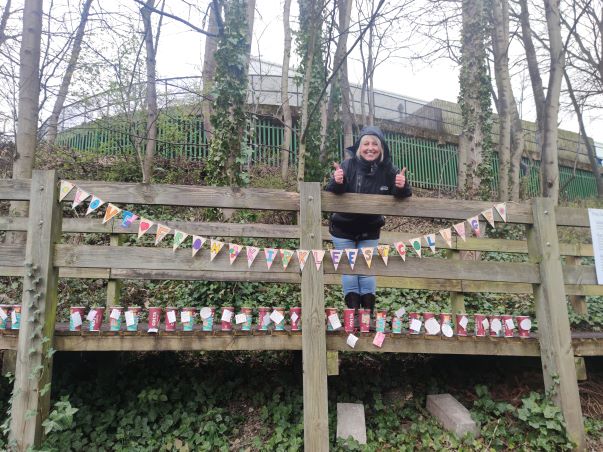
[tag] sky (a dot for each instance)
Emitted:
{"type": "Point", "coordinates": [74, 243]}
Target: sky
{"type": "Point", "coordinates": [438, 80]}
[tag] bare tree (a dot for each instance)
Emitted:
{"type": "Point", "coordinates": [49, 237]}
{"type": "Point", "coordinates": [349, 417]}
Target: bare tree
{"type": "Point", "coordinates": [209, 66]}
{"type": "Point", "coordinates": [3, 21]}
{"type": "Point", "coordinates": [287, 119]}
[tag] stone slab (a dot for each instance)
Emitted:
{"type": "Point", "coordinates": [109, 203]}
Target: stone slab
{"type": "Point", "coordinates": [350, 421]}
{"type": "Point", "coordinates": [451, 414]}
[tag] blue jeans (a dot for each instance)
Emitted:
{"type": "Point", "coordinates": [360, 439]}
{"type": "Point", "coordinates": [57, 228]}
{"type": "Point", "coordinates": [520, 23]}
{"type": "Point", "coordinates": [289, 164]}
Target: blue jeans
{"type": "Point", "coordinates": [356, 283]}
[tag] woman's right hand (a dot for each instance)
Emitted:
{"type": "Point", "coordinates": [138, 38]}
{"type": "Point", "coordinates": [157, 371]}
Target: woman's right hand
{"type": "Point", "coordinates": [338, 173]}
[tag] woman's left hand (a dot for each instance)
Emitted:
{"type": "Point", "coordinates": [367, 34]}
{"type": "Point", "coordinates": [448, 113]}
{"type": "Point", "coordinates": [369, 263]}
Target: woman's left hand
{"type": "Point", "coordinates": [401, 178]}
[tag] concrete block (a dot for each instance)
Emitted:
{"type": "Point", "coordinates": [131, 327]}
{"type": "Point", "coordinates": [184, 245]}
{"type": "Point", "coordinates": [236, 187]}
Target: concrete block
{"type": "Point", "coordinates": [451, 414]}
{"type": "Point", "coordinates": [350, 421]}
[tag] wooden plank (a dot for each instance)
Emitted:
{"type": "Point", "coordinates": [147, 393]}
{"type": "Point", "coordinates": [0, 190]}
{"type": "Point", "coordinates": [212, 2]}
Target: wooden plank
{"type": "Point", "coordinates": [457, 298]}
{"type": "Point", "coordinates": [579, 275]}
{"type": "Point", "coordinates": [31, 399]}
{"type": "Point", "coordinates": [114, 285]}
{"type": "Point", "coordinates": [450, 209]}
{"type": "Point", "coordinates": [12, 255]}
{"type": "Point", "coordinates": [15, 189]}
{"type": "Point", "coordinates": [589, 290]}
{"type": "Point", "coordinates": [571, 216]}
{"type": "Point", "coordinates": [316, 417]}
{"type": "Point", "coordinates": [190, 195]}
{"type": "Point", "coordinates": [194, 275]}
{"type": "Point", "coordinates": [553, 323]}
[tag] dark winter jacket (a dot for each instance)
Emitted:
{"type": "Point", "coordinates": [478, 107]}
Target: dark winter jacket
{"type": "Point", "coordinates": [360, 176]}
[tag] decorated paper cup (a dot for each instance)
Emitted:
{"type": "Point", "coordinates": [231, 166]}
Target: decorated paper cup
{"type": "Point", "coordinates": [496, 326]}
{"type": "Point", "coordinates": [295, 317]}
{"type": "Point", "coordinates": [380, 320]}
{"type": "Point", "coordinates": [462, 320]}
{"type": "Point", "coordinates": [171, 318]}
{"type": "Point", "coordinates": [417, 318]}
{"type": "Point", "coordinates": [508, 325]}
{"type": "Point", "coordinates": [207, 315]}
{"type": "Point", "coordinates": [97, 322]}
{"type": "Point", "coordinates": [481, 325]}
{"type": "Point", "coordinates": [446, 325]}
{"type": "Point", "coordinates": [348, 320]}
{"type": "Point", "coordinates": [396, 325]}
{"type": "Point", "coordinates": [154, 319]}
{"type": "Point", "coordinates": [246, 326]}
{"type": "Point", "coordinates": [74, 312]}
{"type": "Point", "coordinates": [432, 326]}
{"type": "Point", "coordinates": [263, 318]}
{"type": "Point", "coordinates": [5, 317]}
{"type": "Point", "coordinates": [365, 320]}
{"type": "Point", "coordinates": [188, 325]}
{"type": "Point", "coordinates": [227, 317]}
{"type": "Point", "coordinates": [524, 324]}
{"type": "Point", "coordinates": [280, 326]}
{"type": "Point", "coordinates": [329, 312]}
{"type": "Point", "coordinates": [135, 311]}
{"type": "Point", "coordinates": [115, 323]}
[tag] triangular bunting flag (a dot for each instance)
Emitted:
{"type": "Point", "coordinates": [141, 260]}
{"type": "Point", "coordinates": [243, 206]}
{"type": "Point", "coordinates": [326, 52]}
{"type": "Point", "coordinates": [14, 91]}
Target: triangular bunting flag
{"type": "Point", "coordinates": [144, 226]}
{"type": "Point", "coordinates": [110, 212]}
{"type": "Point", "coordinates": [179, 237]}
{"type": "Point", "coordinates": [214, 247]}
{"type": "Point", "coordinates": [489, 215]}
{"type": "Point", "coordinates": [474, 223]}
{"type": "Point", "coordinates": [233, 251]}
{"type": "Point", "coordinates": [430, 239]}
{"type": "Point", "coordinates": [383, 251]}
{"type": "Point", "coordinates": [352, 254]}
{"type": "Point", "coordinates": [252, 252]}
{"type": "Point", "coordinates": [65, 189]}
{"type": "Point", "coordinates": [447, 236]}
{"type": "Point", "coordinates": [502, 210]}
{"type": "Point", "coordinates": [270, 254]}
{"type": "Point", "coordinates": [286, 256]}
{"type": "Point", "coordinates": [460, 230]}
{"type": "Point", "coordinates": [302, 257]}
{"type": "Point", "coordinates": [198, 242]}
{"type": "Point", "coordinates": [368, 255]}
{"type": "Point", "coordinates": [127, 218]}
{"type": "Point", "coordinates": [80, 197]}
{"type": "Point", "coordinates": [95, 203]}
{"type": "Point", "coordinates": [401, 249]}
{"type": "Point", "coordinates": [415, 244]}
{"type": "Point", "coordinates": [318, 257]}
{"type": "Point", "coordinates": [336, 257]}
{"type": "Point", "coordinates": [162, 231]}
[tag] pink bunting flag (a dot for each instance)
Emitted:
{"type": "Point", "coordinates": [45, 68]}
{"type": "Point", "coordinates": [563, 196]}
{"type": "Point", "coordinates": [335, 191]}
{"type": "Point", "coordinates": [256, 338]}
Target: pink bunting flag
{"type": "Point", "coordinates": [368, 255]}
{"type": "Point", "coordinates": [214, 247]}
{"type": "Point", "coordinates": [95, 203]}
{"type": "Point", "coordinates": [179, 238]}
{"type": "Point", "coordinates": [162, 231]}
{"type": "Point", "coordinates": [502, 210]}
{"type": "Point", "coordinates": [415, 244]}
{"type": "Point", "coordinates": [286, 256]}
{"type": "Point", "coordinates": [80, 197]}
{"type": "Point", "coordinates": [383, 251]}
{"type": "Point", "coordinates": [460, 230]}
{"type": "Point", "coordinates": [318, 257]}
{"type": "Point", "coordinates": [270, 254]}
{"type": "Point", "coordinates": [488, 214]}
{"type": "Point", "coordinates": [252, 253]}
{"type": "Point", "coordinates": [474, 223]}
{"type": "Point", "coordinates": [127, 218]}
{"type": "Point", "coordinates": [336, 257]}
{"type": "Point", "coordinates": [64, 189]}
{"type": "Point", "coordinates": [233, 251]}
{"type": "Point", "coordinates": [431, 241]}
{"type": "Point", "coordinates": [144, 226]}
{"type": "Point", "coordinates": [401, 249]}
{"type": "Point", "coordinates": [352, 254]}
{"type": "Point", "coordinates": [198, 242]}
{"type": "Point", "coordinates": [302, 257]}
{"type": "Point", "coordinates": [110, 212]}
{"type": "Point", "coordinates": [447, 236]}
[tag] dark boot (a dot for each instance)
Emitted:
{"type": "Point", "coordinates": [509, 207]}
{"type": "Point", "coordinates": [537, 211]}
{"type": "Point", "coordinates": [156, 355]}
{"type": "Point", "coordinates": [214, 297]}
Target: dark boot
{"type": "Point", "coordinates": [352, 300]}
{"type": "Point", "coordinates": [367, 301]}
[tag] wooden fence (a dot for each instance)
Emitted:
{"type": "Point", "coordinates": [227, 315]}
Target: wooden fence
{"type": "Point", "coordinates": [44, 259]}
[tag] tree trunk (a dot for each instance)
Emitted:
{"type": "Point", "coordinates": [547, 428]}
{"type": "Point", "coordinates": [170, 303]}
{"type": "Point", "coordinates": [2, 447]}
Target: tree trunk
{"type": "Point", "coordinates": [53, 120]}
{"type": "Point", "coordinates": [550, 158]}
{"type": "Point", "coordinates": [287, 120]}
{"type": "Point", "coordinates": [209, 70]}
{"type": "Point", "coordinates": [301, 157]}
{"type": "Point", "coordinates": [29, 94]}
{"type": "Point", "coordinates": [151, 95]}
{"type": "Point", "coordinates": [370, 118]}
{"type": "Point", "coordinates": [4, 21]}
{"type": "Point", "coordinates": [517, 144]}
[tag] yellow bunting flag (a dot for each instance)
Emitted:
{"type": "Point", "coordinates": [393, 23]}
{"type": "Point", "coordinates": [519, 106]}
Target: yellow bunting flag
{"type": "Point", "coordinates": [302, 257]}
{"type": "Point", "coordinates": [474, 223]}
{"type": "Point", "coordinates": [65, 189]}
{"type": "Point", "coordinates": [286, 256]}
{"type": "Point", "coordinates": [214, 247]}
{"type": "Point", "coordinates": [415, 244]}
{"type": "Point", "coordinates": [79, 197]}
{"type": "Point", "coordinates": [318, 257]}
{"type": "Point", "coordinates": [401, 249]}
{"type": "Point", "coordinates": [431, 241]}
{"type": "Point", "coordinates": [383, 251]}
{"type": "Point", "coordinates": [447, 236]}
{"type": "Point", "coordinates": [489, 215]}
{"type": "Point", "coordinates": [460, 230]}
{"type": "Point", "coordinates": [110, 212]}
{"type": "Point", "coordinates": [502, 210]}
{"type": "Point", "coordinates": [368, 255]}
{"type": "Point", "coordinates": [198, 242]}
{"type": "Point", "coordinates": [162, 231]}
{"type": "Point", "coordinates": [233, 251]}
{"type": "Point", "coordinates": [144, 226]}
{"type": "Point", "coordinates": [179, 238]}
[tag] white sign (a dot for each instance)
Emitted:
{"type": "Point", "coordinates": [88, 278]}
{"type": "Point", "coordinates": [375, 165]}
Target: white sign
{"type": "Point", "coordinates": [526, 324]}
{"type": "Point", "coordinates": [510, 324]}
{"type": "Point", "coordinates": [129, 318]}
{"type": "Point", "coordinates": [3, 314]}
{"type": "Point", "coordinates": [415, 324]}
{"type": "Point", "coordinates": [115, 314]}
{"type": "Point", "coordinates": [294, 317]}
{"type": "Point", "coordinates": [485, 324]}
{"type": "Point", "coordinates": [276, 317]}
{"type": "Point", "coordinates": [76, 319]}
{"type": "Point", "coordinates": [595, 216]}
{"type": "Point", "coordinates": [13, 317]}
{"type": "Point", "coordinates": [334, 321]}
{"type": "Point", "coordinates": [432, 326]}
{"type": "Point", "coordinates": [171, 316]}
{"type": "Point", "coordinates": [463, 322]}
{"type": "Point", "coordinates": [185, 316]}
{"type": "Point", "coordinates": [447, 330]}
{"type": "Point", "coordinates": [496, 325]}
{"type": "Point", "coordinates": [205, 313]}
{"type": "Point", "coordinates": [240, 318]}
{"type": "Point", "coordinates": [226, 315]}
{"type": "Point", "coordinates": [91, 316]}
{"type": "Point", "coordinates": [352, 340]}
{"type": "Point", "coordinates": [400, 312]}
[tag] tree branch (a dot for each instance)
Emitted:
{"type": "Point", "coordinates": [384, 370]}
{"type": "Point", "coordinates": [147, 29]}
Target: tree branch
{"type": "Point", "coordinates": [180, 19]}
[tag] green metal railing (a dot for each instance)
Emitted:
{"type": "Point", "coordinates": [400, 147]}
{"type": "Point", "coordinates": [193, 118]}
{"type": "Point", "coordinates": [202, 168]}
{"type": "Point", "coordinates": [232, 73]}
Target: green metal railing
{"type": "Point", "coordinates": [430, 164]}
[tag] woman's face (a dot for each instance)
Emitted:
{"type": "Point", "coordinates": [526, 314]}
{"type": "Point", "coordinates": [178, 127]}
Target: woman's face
{"type": "Point", "coordinates": [370, 148]}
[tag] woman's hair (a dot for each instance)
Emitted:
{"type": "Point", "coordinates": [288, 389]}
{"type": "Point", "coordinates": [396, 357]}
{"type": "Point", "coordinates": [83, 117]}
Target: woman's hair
{"type": "Point", "coordinates": [378, 141]}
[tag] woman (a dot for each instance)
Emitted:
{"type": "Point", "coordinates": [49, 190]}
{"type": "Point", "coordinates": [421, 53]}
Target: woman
{"type": "Point", "coordinates": [371, 171]}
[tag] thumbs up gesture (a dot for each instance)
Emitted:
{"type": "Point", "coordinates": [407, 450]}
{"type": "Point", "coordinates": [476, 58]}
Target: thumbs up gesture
{"type": "Point", "coordinates": [338, 173]}
{"type": "Point", "coordinates": [401, 178]}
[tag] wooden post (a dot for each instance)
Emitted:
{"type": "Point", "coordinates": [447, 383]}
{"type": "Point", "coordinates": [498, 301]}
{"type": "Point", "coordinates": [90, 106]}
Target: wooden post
{"type": "Point", "coordinates": [114, 285]}
{"type": "Point", "coordinates": [457, 299]}
{"type": "Point", "coordinates": [38, 314]}
{"type": "Point", "coordinates": [553, 322]}
{"type": "Point", "coordinates": [578, 301]}
{"type": "Point", "coordinates": [314, 347]}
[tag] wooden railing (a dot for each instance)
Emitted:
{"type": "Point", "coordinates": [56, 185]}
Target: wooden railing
{"type": "Point", "coordinates": [44, 259]}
